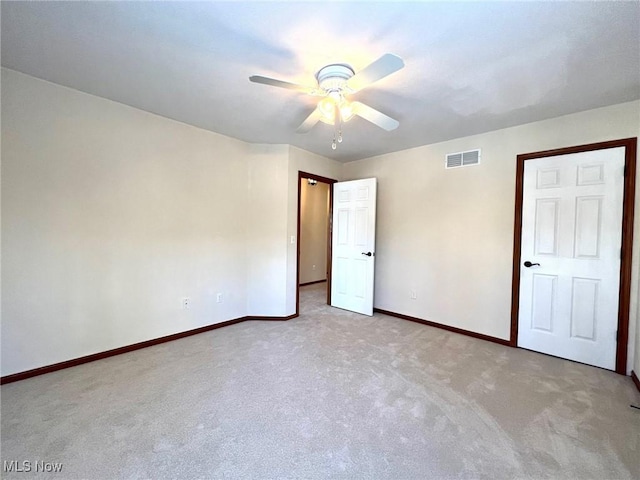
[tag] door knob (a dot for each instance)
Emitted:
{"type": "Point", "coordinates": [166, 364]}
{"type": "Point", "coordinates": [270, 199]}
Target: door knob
{"type": "Point", "coordinates": [529, 264]}
{"type": "Point", "coordinates": [368, 254]}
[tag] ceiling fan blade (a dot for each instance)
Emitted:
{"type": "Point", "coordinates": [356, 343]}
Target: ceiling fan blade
{"type": "Point", "coordinates": [374, 116]}
{"type": "Point", "coordinates": [385, 65]}
{"type": "Point", "coordinates": [310, 121]}
{"type": "Point", "coordinates": [282, 84]}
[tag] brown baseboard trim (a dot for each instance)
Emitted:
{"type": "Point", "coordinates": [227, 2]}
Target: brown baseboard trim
{"type": "Point", "coordinates": [312, 283]}
{"type": "Point", "coordinates": [635, 379]}
{"type": "Point", "coordinates": [128, 348]}
{"type": "Point", "coordinates": [272, 319]}
{"type": "Point", "coordinates": [445, 327]}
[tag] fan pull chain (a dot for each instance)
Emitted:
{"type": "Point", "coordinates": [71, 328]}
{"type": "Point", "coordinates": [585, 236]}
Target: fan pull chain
{"type": "Point", "coordinates": [336, 124]}
{"type": "Point", "coordinates": [337, 132]}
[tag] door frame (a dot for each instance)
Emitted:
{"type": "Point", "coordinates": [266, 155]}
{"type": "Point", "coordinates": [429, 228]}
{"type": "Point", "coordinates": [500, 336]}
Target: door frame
{"type": "Point", "coordinates": [630, 146]}
{"type": "Point", "coordinates": [330, 182]}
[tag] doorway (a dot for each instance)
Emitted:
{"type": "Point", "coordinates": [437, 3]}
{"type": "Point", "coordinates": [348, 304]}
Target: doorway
{"type": "Point", "coordinates": [315, 207]}
{"type": "Point", "coordinates": [572, 252]}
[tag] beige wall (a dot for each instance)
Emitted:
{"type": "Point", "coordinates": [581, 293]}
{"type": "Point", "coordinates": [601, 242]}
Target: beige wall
{"type": "Point", "coordinates": [314, 231]}
{"type": "Point", "coordinates": [267, 242]}
{"type": "Point", "coordinates": [110, 215]}
{"type": "Point", "coordinates": [448, 234]}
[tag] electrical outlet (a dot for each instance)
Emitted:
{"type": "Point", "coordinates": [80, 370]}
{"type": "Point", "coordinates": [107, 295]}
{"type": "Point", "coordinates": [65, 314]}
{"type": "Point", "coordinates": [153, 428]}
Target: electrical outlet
{"type": "Point", "coordinates": [413, 295]}
{"type": "Point", "coordinates": [313, 267]}
{"type": "Point", "coordinates": [186, 303]}
{"type": "Point", "coordinates": [219, 298]}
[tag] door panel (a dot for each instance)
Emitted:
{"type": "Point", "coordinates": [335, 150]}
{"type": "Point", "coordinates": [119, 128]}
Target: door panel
{"type": "Point", "coordinates": [362, 235]}
{"type": "Point", "coordinates": [584, 308]}
{"type": "Point", "coordinates": [587, 231]}
{"type": "Point", "coordinates": [571, 233]}
{"type": "Point", "coordinates": [546, 226]}
{"type": "Point", "coordinates": [354, 236]}
{"type": "Point", "coordinates": [543, 302]}
{"type": "Point", "coordinates": [342, 227]}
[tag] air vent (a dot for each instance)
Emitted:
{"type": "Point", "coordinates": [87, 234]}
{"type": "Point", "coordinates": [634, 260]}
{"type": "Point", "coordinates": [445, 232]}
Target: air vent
{"type": "Point", "coordinates": [463, 159]}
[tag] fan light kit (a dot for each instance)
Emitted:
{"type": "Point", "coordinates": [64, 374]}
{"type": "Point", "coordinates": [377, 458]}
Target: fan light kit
{"type": "Point", "coordinates": [335, 83]}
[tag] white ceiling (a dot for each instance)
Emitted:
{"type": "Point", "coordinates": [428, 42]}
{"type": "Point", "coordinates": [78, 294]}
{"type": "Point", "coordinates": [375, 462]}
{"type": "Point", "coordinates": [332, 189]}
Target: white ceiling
{"type": "Point", "coordinates": [470, 67]}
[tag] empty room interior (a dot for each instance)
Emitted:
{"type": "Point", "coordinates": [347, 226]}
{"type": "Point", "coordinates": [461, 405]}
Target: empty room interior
{"type": "Point", "coordinates": [320, 240]}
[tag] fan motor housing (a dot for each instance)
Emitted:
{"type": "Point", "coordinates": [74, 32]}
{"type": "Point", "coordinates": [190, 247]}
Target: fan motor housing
{"type": "Point", "coordinates": [334, 77]}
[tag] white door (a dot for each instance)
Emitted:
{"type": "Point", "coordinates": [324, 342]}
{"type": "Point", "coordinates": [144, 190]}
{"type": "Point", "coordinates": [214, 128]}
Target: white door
{"type": "Point", "coordinates": [570, 263]}
{"type": "Point", "coordinates": [354, 241]}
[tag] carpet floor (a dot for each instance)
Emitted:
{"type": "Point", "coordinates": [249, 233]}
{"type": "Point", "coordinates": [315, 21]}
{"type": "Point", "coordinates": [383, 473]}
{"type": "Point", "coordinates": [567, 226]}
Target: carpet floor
{"type": "Point", "coordinates": [330, 394]}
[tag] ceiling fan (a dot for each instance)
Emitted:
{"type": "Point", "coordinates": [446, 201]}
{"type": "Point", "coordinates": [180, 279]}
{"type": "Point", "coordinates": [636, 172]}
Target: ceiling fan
{"type": "Point", "coordinates": [335, 82]}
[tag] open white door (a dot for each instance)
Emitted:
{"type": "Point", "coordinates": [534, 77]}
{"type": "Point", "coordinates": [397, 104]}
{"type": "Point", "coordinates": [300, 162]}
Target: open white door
{"type": "Point", "coordinates": [571, 243]}
{"type": "Point", "coordinates": [354, 241]}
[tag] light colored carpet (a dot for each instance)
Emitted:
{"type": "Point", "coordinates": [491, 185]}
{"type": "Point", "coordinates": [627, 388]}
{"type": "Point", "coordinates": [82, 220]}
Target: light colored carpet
{"type": "Point", "coordinates": [328, 395]}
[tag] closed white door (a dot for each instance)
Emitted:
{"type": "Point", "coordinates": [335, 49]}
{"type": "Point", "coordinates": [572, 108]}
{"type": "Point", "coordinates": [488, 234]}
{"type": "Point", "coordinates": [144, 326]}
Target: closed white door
{"type": "Point", "coordinates": [571, 248]}
{"type": "Point", "coordinates": [353, 247]}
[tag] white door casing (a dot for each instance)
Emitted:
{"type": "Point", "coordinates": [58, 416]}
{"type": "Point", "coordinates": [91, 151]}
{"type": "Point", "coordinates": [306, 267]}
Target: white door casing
{"type": "Point", "coordinates": [572, 227]}
{"type": "Point", "coordinates": [353, 245]}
